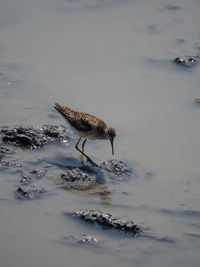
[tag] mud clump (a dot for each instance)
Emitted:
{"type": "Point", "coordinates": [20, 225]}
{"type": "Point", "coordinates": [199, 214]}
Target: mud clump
{"type": "Point", "coordinates": [77, 179]}
{"type": "Point", "coordinates": [190, 62]}
{"type": "Point", "coordinates": [20, 192]}
{"type": "Point", "coordinates": [32, 175]}
{"type": "Point", "coordinates": [33, 192]}
{"type": "Point", "coordinates": [3, 151]}
{"type": "Point", "coordinates": [84, 240]}
{"type": "Point", "coordinates": [108, 221]}
{"type": "Point", "coordinates": [25, 180]}
{"type": "Point", "coordinates": [33, 137]}
{"type": "Point", "coordinates": [115, 166]}
{"type": "Point", "coordinates": [88, 239]}
{"type": "Point", "coordinates": [38, 173]}
{"type": "Point", "coordinates": [10, 164]}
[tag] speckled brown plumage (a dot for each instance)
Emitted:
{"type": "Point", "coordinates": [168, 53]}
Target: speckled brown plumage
{"type": "Point", "coordinates": [83, 123]}
{"type": "Point", "coordinates": [86, 126]}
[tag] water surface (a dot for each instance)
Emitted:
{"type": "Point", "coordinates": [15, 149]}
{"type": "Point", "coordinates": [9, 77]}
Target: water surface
{"type": "Point", "coordinates": [114, 59]}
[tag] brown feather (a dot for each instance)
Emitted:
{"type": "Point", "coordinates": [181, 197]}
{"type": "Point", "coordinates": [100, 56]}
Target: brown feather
{"type": "Point", "coordinates": [81, 121]}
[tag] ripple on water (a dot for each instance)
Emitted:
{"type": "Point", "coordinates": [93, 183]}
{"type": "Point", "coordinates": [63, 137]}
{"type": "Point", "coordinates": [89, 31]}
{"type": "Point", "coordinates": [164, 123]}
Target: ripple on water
{"type": "Point", "coordinates": [184, 213]}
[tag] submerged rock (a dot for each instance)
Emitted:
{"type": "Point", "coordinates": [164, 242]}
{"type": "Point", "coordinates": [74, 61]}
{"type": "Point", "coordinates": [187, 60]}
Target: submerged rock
{"type": "Point", "coordinates": [106, 220]}
{"type": "Point", "coordinates": [21, 193]}
{"type": "Point", "coordinates": [115, 166]}
{"type": "Point", "coordinates": [33, 137]}
{"type": "Point", "coordinates": [25, 180]}
{"type": "Point", "coordinates": [185, 62]}
{"type": "Point", "coordinates": [77, 179]}
{"type": "Point", "coordinates": [88, 239]}
{"type": "Point", "coordinates": [38, 173]}
{"type": "Point", "coordinates": [10, 164]}
{"type": "Point", "coordinates": [85, 183]}
{"type": "Point", "coordinates": [3, 151]}
{"type": "Point", "coordinates": [84, 240]}
{"type": "Point", "coordinates": [32, 175]}
{"type": "Point", "coordinates": [33, 192]}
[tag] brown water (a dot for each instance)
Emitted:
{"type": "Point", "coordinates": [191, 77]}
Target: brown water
{"type": "Point", "coordinates": [111, 58]}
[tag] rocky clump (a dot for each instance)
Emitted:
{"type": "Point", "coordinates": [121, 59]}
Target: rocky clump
{"type": "Point", "coordinates": [3, 151]}
{"type": "Point", "coordinates": [185, 62]}
{"type": "Point", "coordinates": [10, 164]}
{"type": "Point", "coordinates": [108, 221]}
{"type": "Point", "coordinates": [32, 138]}
{"type": "Point", "coordinates": [38, 173]}
{"type": "Point", "coordinates": [32, 175]}
{"type": "Point", "coordinates": [83, 240]}
{"type": "Point", "coordinates": [88, 239]}
{"type": "Point", "coordinates": [77, 179]}
{"type": "Point", "coordinates": [25, 180]}
{"type": "Point", "coordinates": [29, 193]}
{"type": "Point", "coordinates": [21, 193]}
{"type": "Point", "coordinates": [115, 166]}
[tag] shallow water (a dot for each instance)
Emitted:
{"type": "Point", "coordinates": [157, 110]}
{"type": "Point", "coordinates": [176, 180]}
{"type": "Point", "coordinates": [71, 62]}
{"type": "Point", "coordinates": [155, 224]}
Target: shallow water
{"type": "Point", "coordinates": [114, 59]}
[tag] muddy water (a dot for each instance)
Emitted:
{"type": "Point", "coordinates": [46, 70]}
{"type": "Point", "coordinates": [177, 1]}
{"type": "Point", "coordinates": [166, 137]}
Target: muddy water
{"type": "Point", "coordinates": [114, 59]}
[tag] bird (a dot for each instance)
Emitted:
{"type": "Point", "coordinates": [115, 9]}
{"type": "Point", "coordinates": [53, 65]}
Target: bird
{"type": "Point", "coordinates": [87, 126]}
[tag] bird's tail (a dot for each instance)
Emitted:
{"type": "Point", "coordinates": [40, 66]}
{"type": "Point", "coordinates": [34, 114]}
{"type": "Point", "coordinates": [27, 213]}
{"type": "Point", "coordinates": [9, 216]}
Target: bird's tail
{"type": "Point", "coordinates": [65, 111]}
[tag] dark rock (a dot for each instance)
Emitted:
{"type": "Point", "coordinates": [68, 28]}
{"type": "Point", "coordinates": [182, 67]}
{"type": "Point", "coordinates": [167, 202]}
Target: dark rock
{"type": "Point", "coordinates": [38, 173]}
{"type": "Point", "coordinates": [10, 164]}
{"type": "Point", "coordinates": [32, 175]}
{"type": "Point", "coordinates": [185, 62]}
{"type": "Point", "coordinates": [33, 192]}
{"type": "Point", "coordinates": [25, 180]}
{"type": "Point", "coordinates": [51, 132]}
{"type": "Point", "coordinates": [76, 175]}
{"type": "Point", "coordinates": [84, 240]}
{"type": "Point", "coordinates": [108, 221]}
{"type": "Point", "coordinates": [33, 138]}
{"type": "Point", "coordinates": [115, 166]}
{"type": "Point", "coordinates": [3, 151]}
{"type": "Point", "coordinates": [88, 239]}
{"type": "Point", "coordinates": [8, 138]}
{"type": "Point", "coordinates": [77, 179]}
{"type": "Point", "coordinates": [22, 193]}
{"type": "Point", "coordinates": [23, 140]}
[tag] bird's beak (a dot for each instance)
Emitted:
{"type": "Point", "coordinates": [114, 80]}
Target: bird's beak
{"type": "Point", "coordinates": [111, 141]}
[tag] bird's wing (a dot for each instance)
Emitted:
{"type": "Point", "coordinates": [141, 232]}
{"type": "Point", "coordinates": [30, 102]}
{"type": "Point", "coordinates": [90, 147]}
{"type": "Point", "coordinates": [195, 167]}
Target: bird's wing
{"type": "Point", "coordinates": [87, 122]}
{"type": "Point", "coordinates": [80, 124]}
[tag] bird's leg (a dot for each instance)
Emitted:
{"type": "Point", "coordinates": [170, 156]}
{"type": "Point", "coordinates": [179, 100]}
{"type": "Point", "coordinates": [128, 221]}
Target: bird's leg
{"type": "Point", "coordinates": [76, 146]}
{"type": "Point", "coordinates": [82, 152]}
{"type": "Point", "coordinates": [81, 156]}
{"type": "Point", "coordinates": [83, 144]}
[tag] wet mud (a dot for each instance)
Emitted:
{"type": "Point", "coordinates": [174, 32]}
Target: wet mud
{"type": "Point", "coordinates": [32, 138]}
{"type": "Point", "coordinates": [74, 178]}
{"type": "Point", "coordinates": [108, 221]}
{"type": "Point", "coordinates": [186, 62]}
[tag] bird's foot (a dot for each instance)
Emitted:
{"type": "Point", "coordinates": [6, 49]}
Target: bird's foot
{"type": "Point", "coordinates": [91, 162]}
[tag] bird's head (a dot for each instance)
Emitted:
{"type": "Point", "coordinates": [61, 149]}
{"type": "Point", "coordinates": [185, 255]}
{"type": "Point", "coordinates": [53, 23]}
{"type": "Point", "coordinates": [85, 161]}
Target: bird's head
{"type": "Point", "coordinates": [111, 133]}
